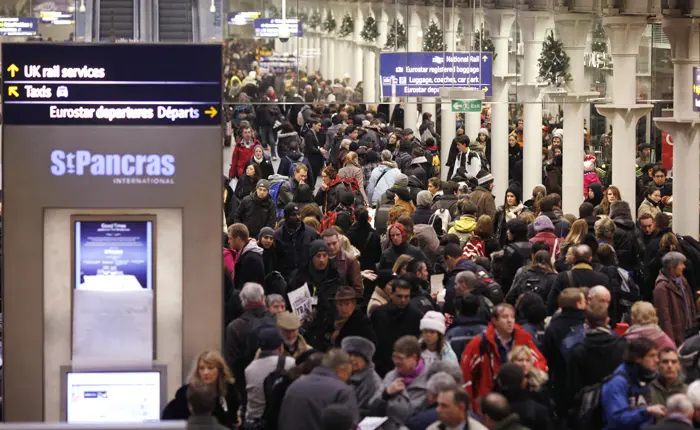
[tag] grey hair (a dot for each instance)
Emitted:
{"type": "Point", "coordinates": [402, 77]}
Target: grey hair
{"type": "Point", "coordinates": [693, 393]}
{"type": "Point", "coordinates": [335, 358]}
{"type": "Point", "coordinates": [271, 299]}
{"type": "Point", "coordinates": [386, 155]}
{"type": "Point", "coordinates": [679, 403]}
{"type": "Point", "coordinates": [672, 259]}
{"type": "Point", "coordinates": [604, 227]}
{"type": "Point", "coordinates": [598, 289]}
{"type": "Point", "coordinates": [439, 382]}
{"type": "Point", "coordinates": [252, 293]}
{"type": "Point", "coordinates": [468, 278]}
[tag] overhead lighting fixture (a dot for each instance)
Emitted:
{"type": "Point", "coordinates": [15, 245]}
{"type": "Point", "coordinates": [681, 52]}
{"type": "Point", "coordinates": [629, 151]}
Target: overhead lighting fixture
{"type": "Point", "coordinates": [212, 8]}
{"type": "Point", "coordinates": [82, 6]}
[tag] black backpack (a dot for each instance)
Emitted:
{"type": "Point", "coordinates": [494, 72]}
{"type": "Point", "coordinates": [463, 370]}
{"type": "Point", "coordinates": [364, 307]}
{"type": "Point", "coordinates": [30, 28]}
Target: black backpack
{"type": "Point", "coordinates": [275, 377]}
{"type": "Point", "coordinates": [590, 413]}
{"type": "Point", "coordinates": [252, 341]}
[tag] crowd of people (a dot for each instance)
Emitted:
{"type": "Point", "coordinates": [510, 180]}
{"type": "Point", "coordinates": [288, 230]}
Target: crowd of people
{"type": "Point", "coordinates": [337, 230]}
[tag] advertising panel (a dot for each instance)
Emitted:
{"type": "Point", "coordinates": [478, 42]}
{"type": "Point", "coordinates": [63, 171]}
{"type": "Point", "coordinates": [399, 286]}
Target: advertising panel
{"type": "Point", "coordinates": [114, 255]}
{"type": "Point", "coordinates": [422, 74]}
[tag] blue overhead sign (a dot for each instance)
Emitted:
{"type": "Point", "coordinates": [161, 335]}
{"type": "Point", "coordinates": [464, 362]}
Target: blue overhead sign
{"type": "Point", "coordinates": [270, 27]}
{"type": "Point", "coordinates": [18, 26]}
{"type": "Point", "coordinates": [422, 74]}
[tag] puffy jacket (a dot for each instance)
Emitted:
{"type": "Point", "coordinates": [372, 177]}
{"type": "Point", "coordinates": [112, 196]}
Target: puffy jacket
{"type": "Point", "coordinates": [256, 213]}
{"type": "Point", "coordinates": [292, 247]}
{"type": "Point", "coordinates": [381, 179]}
{"type": "Point", "coordinates": [588, 179]}
{"type": "Point", "coordinates": [480, 363]}
{"type": "Point", "coordinates": [463, 228]}
{"type": "Point", "coordinates": [463, 330]}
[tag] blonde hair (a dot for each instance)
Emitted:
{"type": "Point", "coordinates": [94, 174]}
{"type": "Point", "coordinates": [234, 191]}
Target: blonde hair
{"type": "Point", "coordinates": [578, 229]}
{"type": "Point", "coordinates": [518, 350]}
{"type": "Point", "coordinates": [351, 157]}
{"type": "Point", "coordinates": [644, 313]}
{"type": "Point", "coordinates": [213, 358]}
{"type": "Point", "coordinates": [527, 216]}
{"type": "Point", "coordinates": [401, 263]}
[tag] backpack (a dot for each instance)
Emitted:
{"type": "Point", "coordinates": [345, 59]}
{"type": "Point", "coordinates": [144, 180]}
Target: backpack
{"type": "Point", "coordinates": [293, 165]}
{"type": "Point", "coordinates": [330, 218]}
{"type": "Point", "coordinates": [573, 338]}
{"type": "Point", "coordinates": [252, 341]}
{"type": "Point", "coordinates": [475, 247]}
{"type": "Point", "coordinates": [590, 413]}
{"type": "Point", "coordinates": [534, 285]}
{"type": "Point", "coordinates": [353, 187]}
{"type": "Point", "coordinates": [275, 193]}
{"type": "Point", "coordinates": [275, 377]}
{"type": "Point", "coordinates": [444, 216]}
{"type": "Point", "coordinates": [626, 296]}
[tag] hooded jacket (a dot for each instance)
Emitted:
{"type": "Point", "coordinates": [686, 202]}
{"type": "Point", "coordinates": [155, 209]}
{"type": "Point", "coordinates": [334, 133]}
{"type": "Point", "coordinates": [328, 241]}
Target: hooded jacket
{"type": "Point", "coordinates": [625, 241]}
{"type": "Point", "coordinates": [241, 155]}
{"type": "Point", "coordinates": [292, 247]}
{"type": "Point", "coordinates": [463, 228]}
{"type": "Point", "coordinates": [250, 266]}
{"type": "Point", "coordinates": [381, 179]}
{"type": "Point", "coordinates": [620, 412]}
{"type": "Point", "coordinates": [256, 213]}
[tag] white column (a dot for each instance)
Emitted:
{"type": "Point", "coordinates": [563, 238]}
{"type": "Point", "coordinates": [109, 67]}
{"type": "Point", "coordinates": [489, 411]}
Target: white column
{"type": "Point", "coordinates": [358, 48]}
{"type": "Point", "coordinates": [448, 131]}
{"type": "Point", "coordinates": [317, 52]}
{"type": "Point", "coordinates": [340, 58]}
{"type": "Point", "coordinates": [684, 36]}
{"type": "Point", "coordinates": [370, 75]}
{"type": "Point", "coordinates": [625, 33]}
{"type": "Point", "coordinates": [573, 29]}
{"type": "Point", "coordinates": [325, 56]}
{"type": "Point", "coordinates": [534, 26]}
{"type": "Point", "coordinates": [472, 120]}
{"type": "Point", "coordinates": [330, 53]}
{"type": "Point", "coordinates": [410, 113]}
{"type": "Point", "coordinates": [500, 23]}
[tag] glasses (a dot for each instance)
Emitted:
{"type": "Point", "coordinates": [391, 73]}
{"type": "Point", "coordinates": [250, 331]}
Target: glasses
{"type": "Point", "coordinates": [398, 357]}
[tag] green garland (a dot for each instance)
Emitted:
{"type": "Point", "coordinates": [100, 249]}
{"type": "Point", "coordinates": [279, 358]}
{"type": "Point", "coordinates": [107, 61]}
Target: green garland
{"type": "Point", "coordinates": [315, 21]}
{"type": "Point", "coordinates": [347, 26]}
{"type": "Point", "coordinates": [303, 17]}
{"type": "Point", "coordinates": [432, 39]}
{"type": "Point", "coordinates": [370, 31]}
{"type": "Point", "coordinates": [329, 25]}
{"type": "Point", "coordinates": [397, 36]}
{"type": "Point", "coordinates": [482, 42]}
{"type": "Point", "coordinates": [554, 62]}
{"type": "Point", "coordinates": [272, 12]}
{"type": "Point", "coordinates": [292, 13]}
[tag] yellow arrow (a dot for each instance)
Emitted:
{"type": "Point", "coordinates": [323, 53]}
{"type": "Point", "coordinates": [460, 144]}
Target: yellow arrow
{"type": "Point", "coordinates": [13, 69]}
{"type": "Point", "coordinates": [485, 57]}
{"type": "Point", "coordinates": [12, 91]}
{"type": "Point", "coordinates": [211, 111]}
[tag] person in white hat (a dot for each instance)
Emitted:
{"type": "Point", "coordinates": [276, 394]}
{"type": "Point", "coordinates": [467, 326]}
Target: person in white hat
{"type": "Point", "coordinates": [434, 344]}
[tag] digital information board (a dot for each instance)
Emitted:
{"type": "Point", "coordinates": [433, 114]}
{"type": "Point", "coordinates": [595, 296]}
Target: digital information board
{"type": "Point", "coordinates": [118, 253]}
{"type": "Point", "coordinates": [18, 26]}
{"type": "Point", "coordinates": [270, 27]}
{"type": "Point", "coordinates": [104, 84]}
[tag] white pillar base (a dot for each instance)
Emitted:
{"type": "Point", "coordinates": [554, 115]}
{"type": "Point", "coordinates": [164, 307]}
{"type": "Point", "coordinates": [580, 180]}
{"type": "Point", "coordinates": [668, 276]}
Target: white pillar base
{"type": "Point", "coordinates": [410, 114]}
{"type": "Point", "coordinates": [532, 138]}
{"type": "Point", "coordinates": [448, 131]}
{"type": "Point", "coordinates": [369, 78]}
{"type": "Point", "coordinates": [686, 169]}
{"type": "Point", "coordinates": [499, 134]}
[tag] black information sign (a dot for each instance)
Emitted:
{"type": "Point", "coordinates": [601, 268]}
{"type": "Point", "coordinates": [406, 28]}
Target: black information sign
{"type": "Point", "coordinates": [103, 84]}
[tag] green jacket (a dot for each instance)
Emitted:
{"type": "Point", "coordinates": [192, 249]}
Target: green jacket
{"type": "Point", "coordinates": [660, 393]}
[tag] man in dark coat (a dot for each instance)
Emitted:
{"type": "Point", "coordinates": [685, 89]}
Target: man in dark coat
{"type": "Point", "coordinates": [347, 320]}
{"type": "Point", "coordinates": [581, 275]}
{"type": "Point", "coordinates": [250, 266]}
{"type": "Point", "coordinates": [456, 263]}
{"type": "Point", "coordinates": [573, 304]}
{"type": "Point", "coordinates": [626, 245]}
{"type": "Point", "coordinates": [393, 320]}
{"type": "Point", "coordinates": [292, 240]}
{"type": "Point", "coordinates": [257, 210]}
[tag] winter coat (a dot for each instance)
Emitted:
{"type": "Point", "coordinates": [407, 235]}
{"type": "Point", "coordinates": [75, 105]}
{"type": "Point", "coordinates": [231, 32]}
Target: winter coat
{"type": "Point", "coordinates": [255, 375]}
{"type": "Point", "coordinates": [533, 415]}
{"type": "Point", "coordinates": [618, 413]}
{"type": "Point", "coordinates": [501, 219]}
{"type": "Point", "coordinates": [349, 268]}
{"type": "Point", "coordinates": [464, 228]}
{"type": "Point", "coordinates": [594, 359]}
{"type": "Point", "coordinates": [250, 266]}
{"type": "Point", "coordinates": [446, 354]}
{"type": "Point", "coordinates": [366, 383]}
{"type": "Point", "coordinates": [256, 213]}
{"type": "Point", "coordinates": [390, 323]}
{"type": "Point", "coordinates": [463, 330]}
{"type": "Point", "coordinates": [363, 237]}
{"type": "Point", "coordinates": [450, 203]}
{"type": "Point", "coordinates": [401, 406]}
{"type": "Point", "coordinates": [353, 171]}
{"type": "Point", "coordinates": [177, 409]}
{"type": "Point", "coordinates": [284, 140]}
{"type": "Point", "coordinates": [515, 256]}
{"type": "Point", "coordinates": [660, 392]}
{"type": "Point", "coordinates": [582, 275]}
{"type": "Point", "coordinates": [473, 425]}
{"type": "Point", "coordinates": [312, 150]}
{"type": "Point", "coordinates": [548, 237]}
{"type": "Point", "coordinates": [266, 167]}
{"type": "Point", "coordinates": [450, 278]}
{"type": "Point", "coordinates": [240, 156]}
{"type": "Point", "coordinates": [588, 179]}
{"type": "Point", "coordinates": [626, 245]}
{"type": "Point", "coordinates": [292, 248]}
{"type": "Point", "coordinates": [484, 201]}
{"type": "Point", "coordinates": [675, 307]}
{"type": "Point", "coordinates": [417, 168]}
{"type": "Point", "coordinates": [392, 253]}
{"type": "Point", "coordinates": [381, 179]}
{"type": "Point", "coordinates": [563, 323]}
{"type": "Point", "coordinates": [356, 325]}
{"type": "Point", "coordinates": [537, 278]}
{"type": "Point", "coordinates": [648, 207]}
{"type": "Point", "coordinates": [307, 397]}
{"type": "Point", "coordinates": [246, 185]}
{"type": "Point", "coordinates": [480, 369]}
{"type": "Point", "coordinates": [650, 331]}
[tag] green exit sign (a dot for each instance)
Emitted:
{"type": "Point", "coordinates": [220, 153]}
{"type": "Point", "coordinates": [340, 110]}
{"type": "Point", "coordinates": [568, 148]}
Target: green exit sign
{"type": "Point", "coordinates": [471, 106]}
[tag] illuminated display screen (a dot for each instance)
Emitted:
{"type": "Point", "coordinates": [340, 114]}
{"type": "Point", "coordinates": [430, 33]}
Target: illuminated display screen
{"type": "Point", "coordinates": [104, 84]}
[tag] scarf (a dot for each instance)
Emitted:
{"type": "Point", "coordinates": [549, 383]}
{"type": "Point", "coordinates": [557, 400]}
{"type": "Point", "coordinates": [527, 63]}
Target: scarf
{"type": "Point", "coordinates": [259, 160]}
{"type": "Point", "coordinates": [512, 212]}
{"type": "Point", "coordinates": [411, 376]}
{"type": "Point", "coordinates": [678, 280]}
{"type": "Point", "coordinates": [247, 144]}
{"type": "Point", "coordinates": [337, 326]}
{"type": "Point", "coordinates": [653, 203]}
